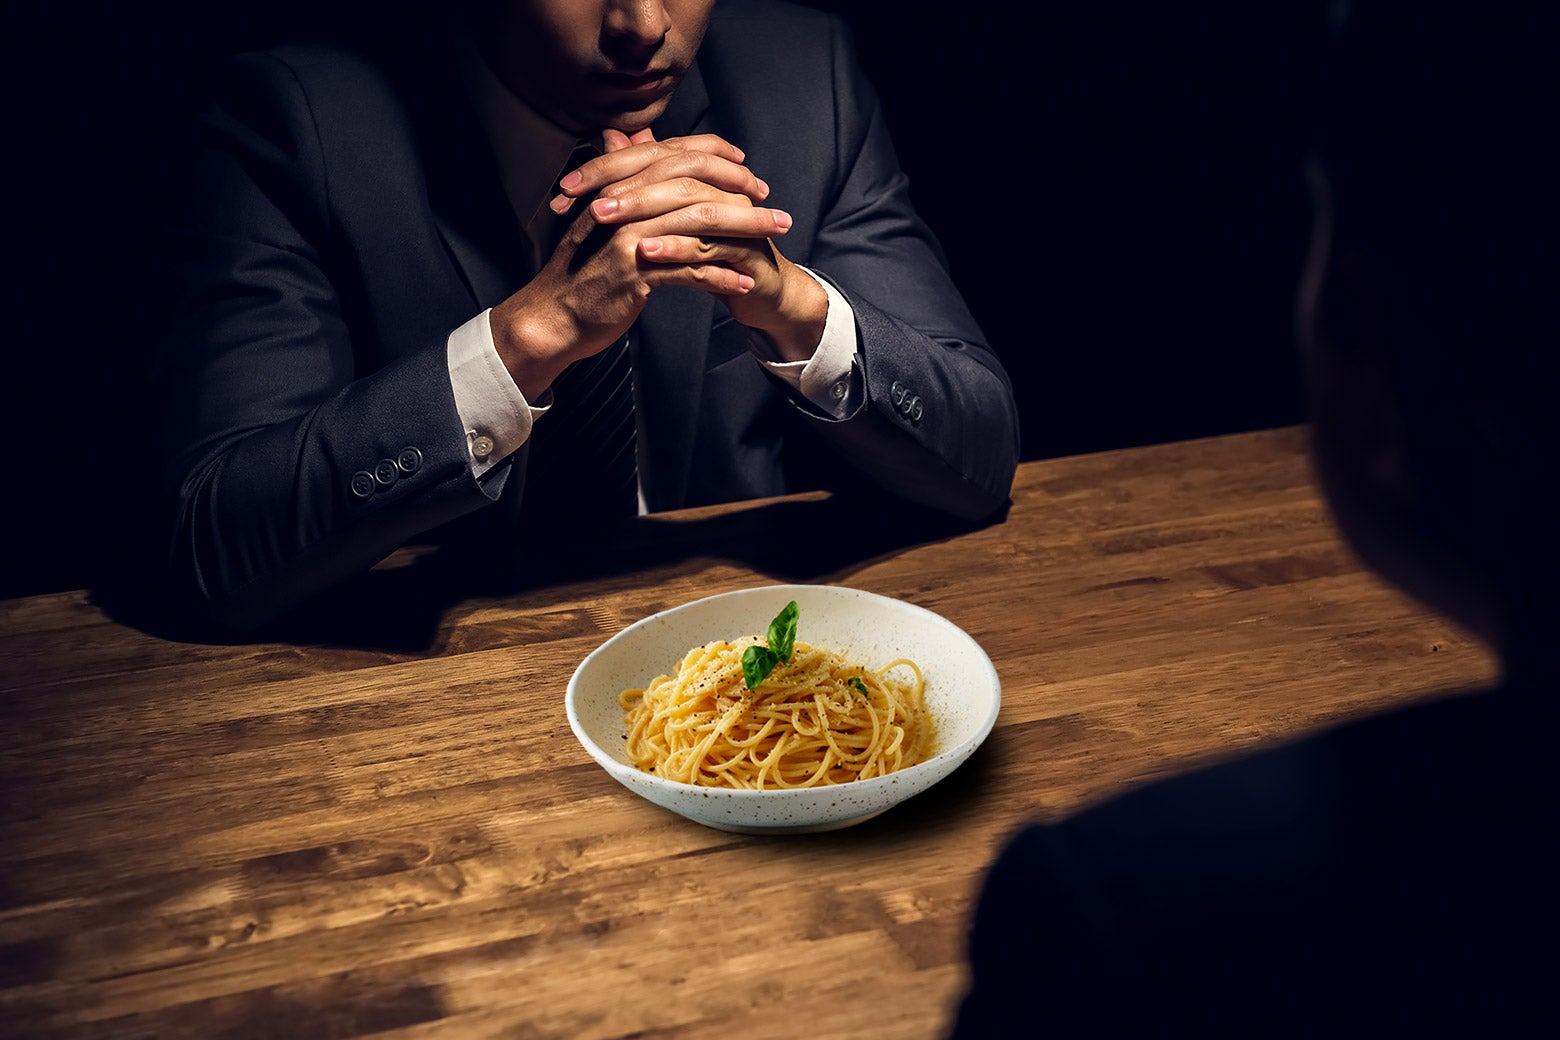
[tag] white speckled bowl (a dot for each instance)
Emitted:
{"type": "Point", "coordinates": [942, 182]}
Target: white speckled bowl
{"type": "Point", "coordinates": [962, 692]}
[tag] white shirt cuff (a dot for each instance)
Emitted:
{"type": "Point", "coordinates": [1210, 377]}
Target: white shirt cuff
{"type": "Point", "coordinates": [493, 412]}
{"type": "Point", "coordinates": [825, 378]}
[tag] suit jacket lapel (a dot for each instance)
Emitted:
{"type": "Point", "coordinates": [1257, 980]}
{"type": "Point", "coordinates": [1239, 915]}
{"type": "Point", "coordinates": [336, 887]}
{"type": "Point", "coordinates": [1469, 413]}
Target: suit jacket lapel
{"type": "Point", "coordinates": [470, 209]}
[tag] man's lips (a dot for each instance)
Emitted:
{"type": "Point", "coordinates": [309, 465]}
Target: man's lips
{"type": "Point", "coordinates": [636, 83]}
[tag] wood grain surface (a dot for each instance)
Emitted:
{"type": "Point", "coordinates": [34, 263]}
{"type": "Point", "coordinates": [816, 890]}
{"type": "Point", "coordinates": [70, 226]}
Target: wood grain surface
{"type": "Point", "coordinates": [377, 821]}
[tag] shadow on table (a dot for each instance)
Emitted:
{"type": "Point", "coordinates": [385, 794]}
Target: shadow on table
{"type": "Point", "coordinates": [400, 605]}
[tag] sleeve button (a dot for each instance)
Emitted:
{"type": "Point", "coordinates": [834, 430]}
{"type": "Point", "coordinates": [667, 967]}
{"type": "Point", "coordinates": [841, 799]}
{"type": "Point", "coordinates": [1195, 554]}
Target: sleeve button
{"type": "Point", "coordinates": [362, 483]}
{"type": "Point", "coordinates": [409, 461]}
{"type": "Point", "coordinates": [482, 446]}
{"type": "Point", "coordinates": [896, 393]}
{"type": "Point", "coordinates": [387, 472]}
{"type": "Point", "coordinates": [915, 409]}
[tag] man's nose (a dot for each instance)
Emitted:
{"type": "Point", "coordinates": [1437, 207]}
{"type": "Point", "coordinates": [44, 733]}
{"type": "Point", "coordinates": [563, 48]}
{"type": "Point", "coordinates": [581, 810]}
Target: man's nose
{"type": "Point", "coordinates": [638, 22]}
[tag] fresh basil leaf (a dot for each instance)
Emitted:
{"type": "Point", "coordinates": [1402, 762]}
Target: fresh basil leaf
{"type": "Point", "coordinates": [757, 663]}
{"type": "Point", "coordinates": [782, 631]}
{"type": "Point", "coordinates": [858, 684]}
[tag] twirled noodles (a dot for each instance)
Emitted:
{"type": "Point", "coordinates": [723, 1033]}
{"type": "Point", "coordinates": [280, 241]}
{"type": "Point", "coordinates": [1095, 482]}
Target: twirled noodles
{"type": "Point", "coordinates": [808, 723]}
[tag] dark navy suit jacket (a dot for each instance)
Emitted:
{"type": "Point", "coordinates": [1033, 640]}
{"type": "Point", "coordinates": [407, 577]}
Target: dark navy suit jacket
{"type": "Point", "coordinates": [346, 214]}
{"type": "Point", "coordinates": [1390, 877]}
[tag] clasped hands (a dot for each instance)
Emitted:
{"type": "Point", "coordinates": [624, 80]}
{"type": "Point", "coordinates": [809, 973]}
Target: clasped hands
{"type": "Point", "coordinates": [684, 211]}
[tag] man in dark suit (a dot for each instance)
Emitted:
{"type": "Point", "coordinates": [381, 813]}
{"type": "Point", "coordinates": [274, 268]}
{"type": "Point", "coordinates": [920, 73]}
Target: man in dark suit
{"type": "Point", "coordinates": [1394, 876]}
{"type": "Point", "coordinates": [376, 334]}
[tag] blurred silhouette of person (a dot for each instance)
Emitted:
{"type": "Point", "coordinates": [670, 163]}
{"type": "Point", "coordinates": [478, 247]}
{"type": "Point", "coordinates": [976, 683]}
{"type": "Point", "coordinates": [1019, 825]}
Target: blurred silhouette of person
{"type": "Point", "coordinates": [530, 265]}
{"type": "Point", "coordinates": [1392, 875]}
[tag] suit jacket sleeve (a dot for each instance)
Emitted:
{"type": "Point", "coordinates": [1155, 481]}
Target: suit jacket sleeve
{"type": "Point", "coordinates": [939, 425]}
{"type": "Point", "coordinates": [279, 417]}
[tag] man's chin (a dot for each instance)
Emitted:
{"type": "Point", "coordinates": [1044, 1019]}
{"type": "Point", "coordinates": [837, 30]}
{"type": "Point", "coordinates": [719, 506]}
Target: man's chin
{"type": "Point", "coordinates": [631, 121]}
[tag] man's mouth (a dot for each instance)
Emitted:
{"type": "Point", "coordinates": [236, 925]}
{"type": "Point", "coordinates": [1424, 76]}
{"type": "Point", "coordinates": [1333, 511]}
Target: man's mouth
{"type": "Point", "coordinates": [646, 83]}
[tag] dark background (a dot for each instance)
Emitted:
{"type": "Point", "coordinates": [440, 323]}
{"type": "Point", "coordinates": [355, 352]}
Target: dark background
{"type": "Point", "coordinates": [1117, 185]}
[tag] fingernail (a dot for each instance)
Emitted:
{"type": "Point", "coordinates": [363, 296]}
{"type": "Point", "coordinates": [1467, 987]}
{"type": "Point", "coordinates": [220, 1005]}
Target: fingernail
{"type": "Point", "coordinates": [763, 189]}
{"type": "Point", "coordinates": [744, 282]}
{"type": "Point", "coordinates": [560, 204]}
{"type": "Point", "coordinates": [572, 180]}
{"type": "Point", "coordinates": [604, 207]}
{"type": "Point", "coordinates": [650, 245]}
{"type": "Point", "coordinates": [782, 219]}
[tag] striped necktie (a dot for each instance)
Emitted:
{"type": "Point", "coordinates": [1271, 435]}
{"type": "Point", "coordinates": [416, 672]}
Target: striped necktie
{"type": "Point", "coordinates": [582, 462]}
{"type": "Point", "coordinates": [582, 465]}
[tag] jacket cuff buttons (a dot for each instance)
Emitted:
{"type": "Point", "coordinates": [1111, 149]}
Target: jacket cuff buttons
{"type": "Point", "coordinates": [906, 401]}
{"type": "Point", "coordinates": [386, 472]}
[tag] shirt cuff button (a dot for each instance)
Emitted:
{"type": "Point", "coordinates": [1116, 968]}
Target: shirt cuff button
{"type": "Point", "coordinates": [482, 446]}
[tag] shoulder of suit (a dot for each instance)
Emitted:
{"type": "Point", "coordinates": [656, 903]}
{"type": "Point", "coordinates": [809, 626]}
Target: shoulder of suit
{"type": "Point", "coordinates": [310, 63]}
{"type": "Point", "coordinates": [335, 83]}
{"type": "Point", "coordinates": [758, 23]}
{"type": "Point", "coordinates": [776, 48]}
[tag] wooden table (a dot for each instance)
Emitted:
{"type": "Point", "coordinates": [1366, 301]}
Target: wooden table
{"type": "Point", "coordinates": [385, 826]}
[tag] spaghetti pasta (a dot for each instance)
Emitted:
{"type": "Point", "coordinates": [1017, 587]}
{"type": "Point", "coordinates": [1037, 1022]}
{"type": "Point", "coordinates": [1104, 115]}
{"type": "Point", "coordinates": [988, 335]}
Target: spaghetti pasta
{"type": "Point", "coordinates": [816, 719]}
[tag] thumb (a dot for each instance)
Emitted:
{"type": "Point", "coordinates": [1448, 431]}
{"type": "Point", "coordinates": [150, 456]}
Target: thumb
{"type": "Point", "coordinates": [614, 140]}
